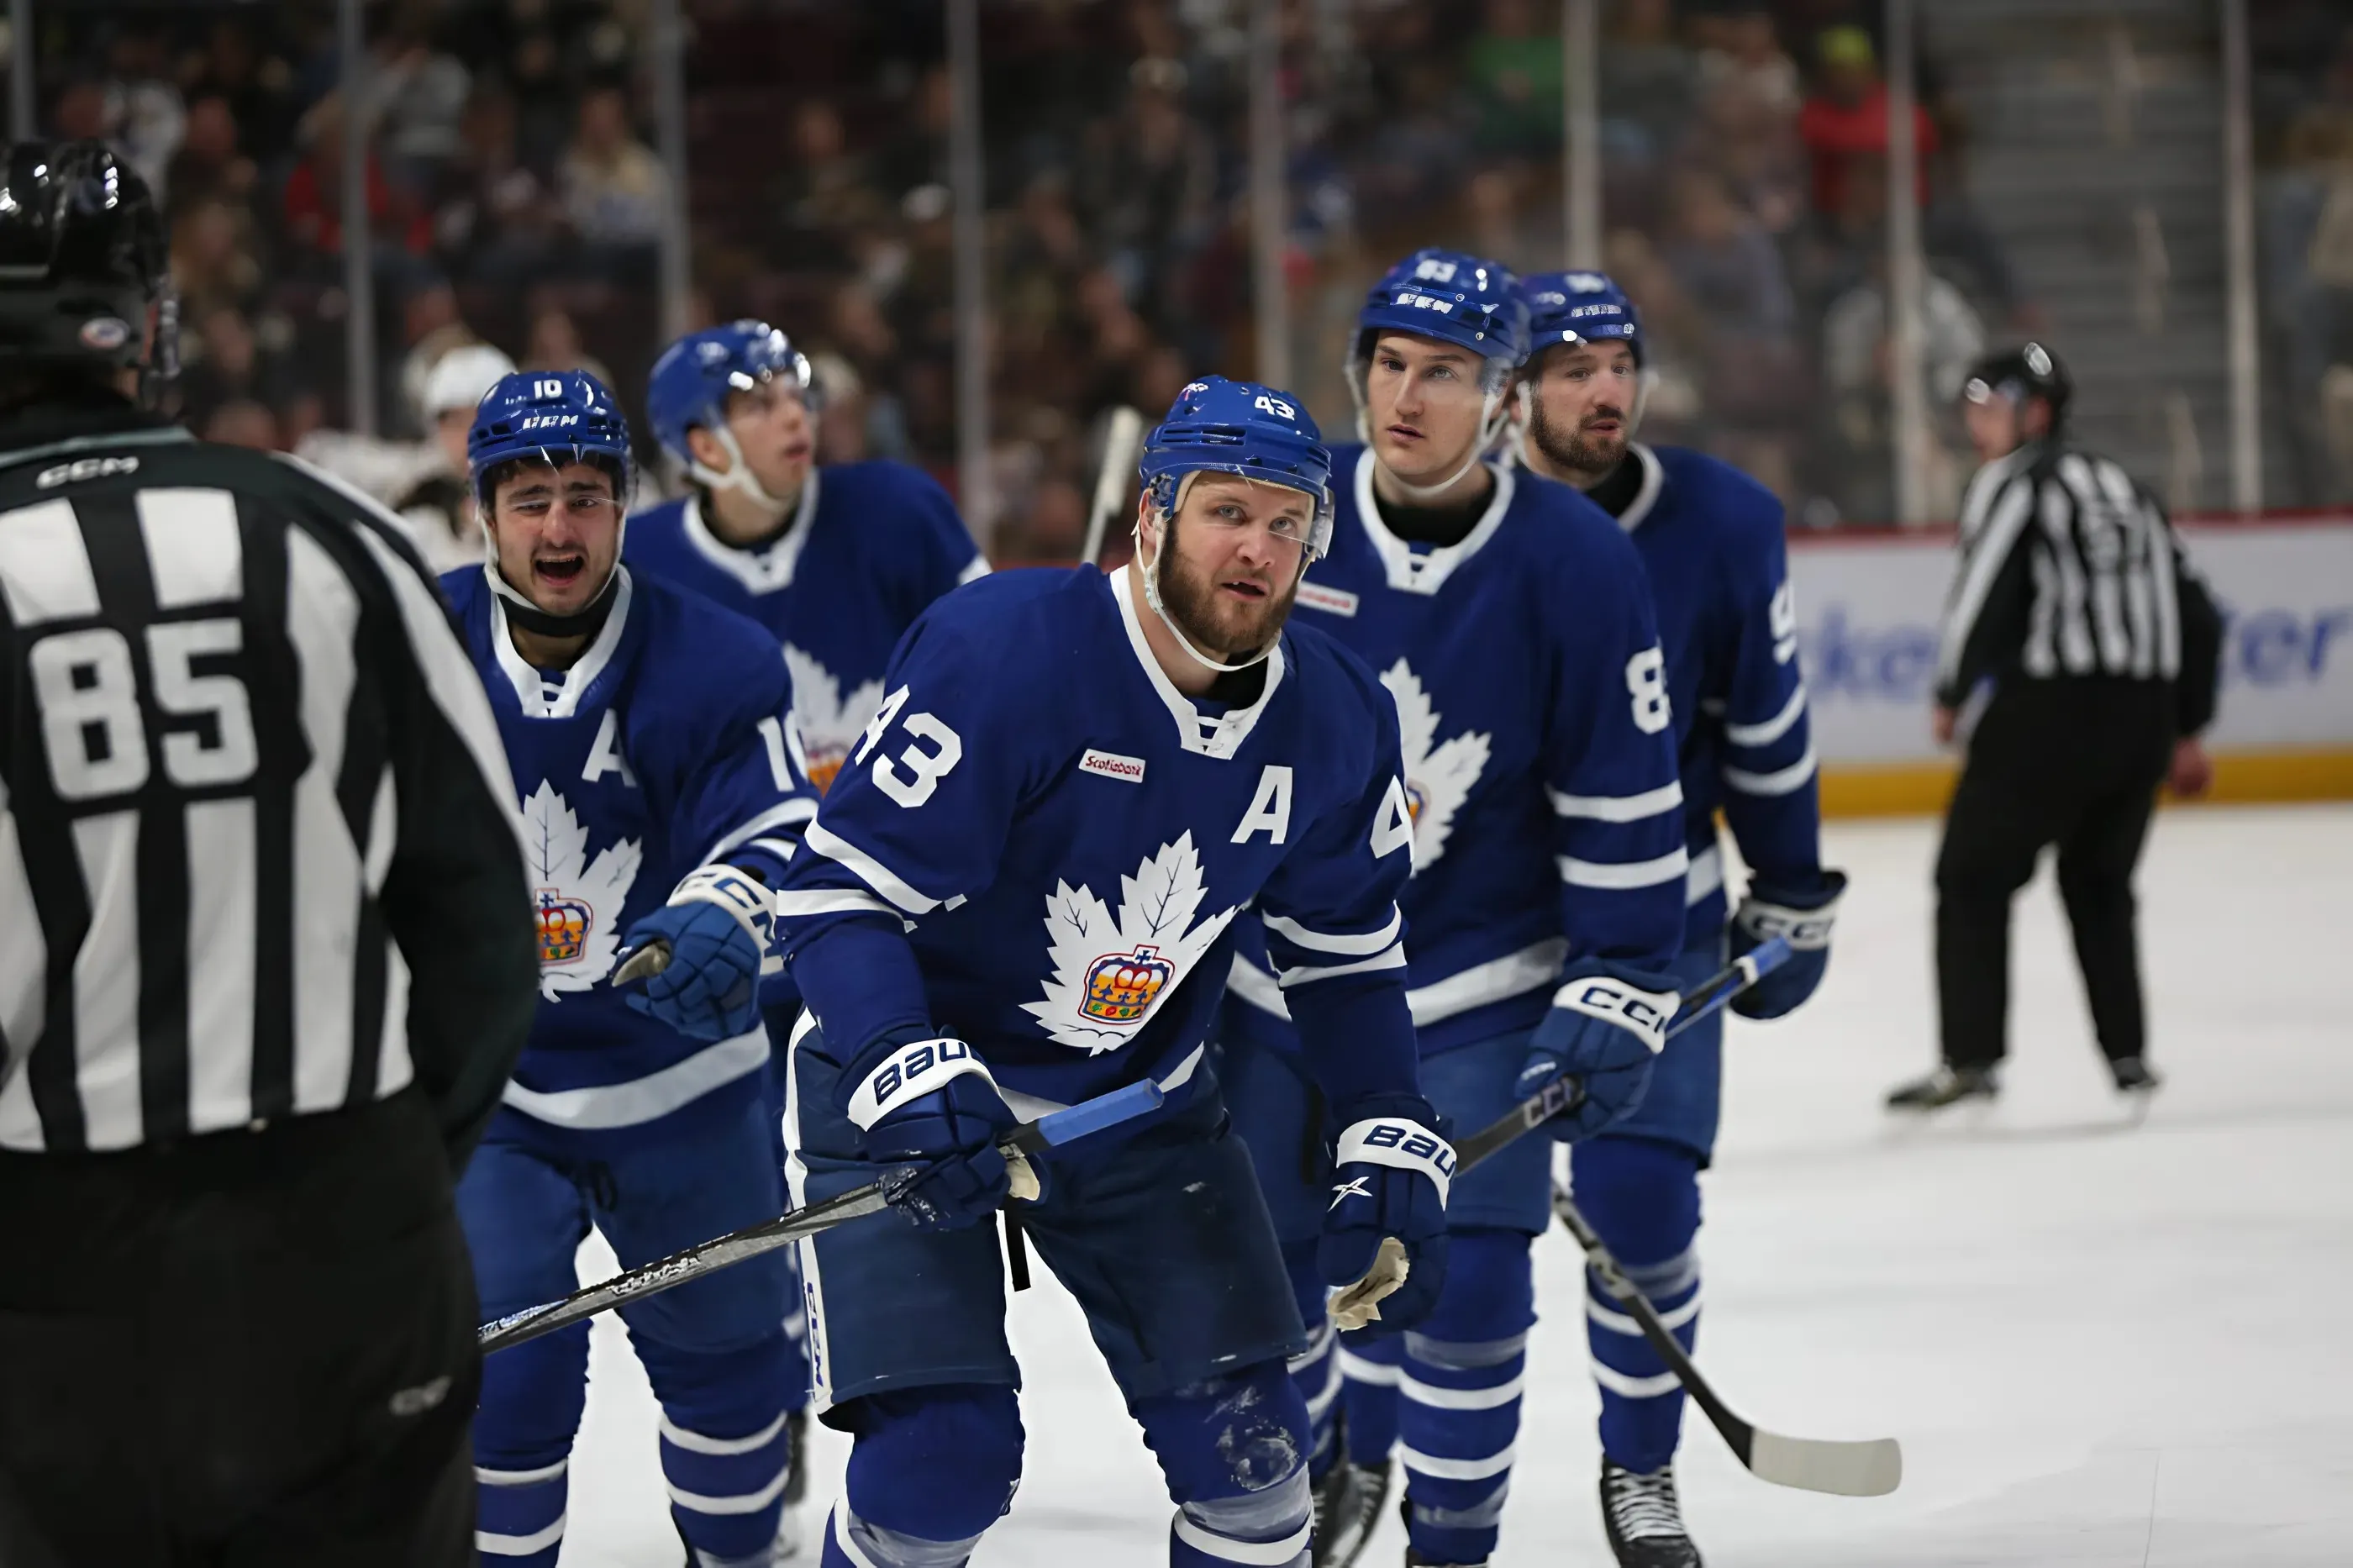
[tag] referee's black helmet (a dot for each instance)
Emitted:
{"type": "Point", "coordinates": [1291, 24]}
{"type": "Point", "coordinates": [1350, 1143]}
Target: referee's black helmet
{"type": "Point", "coordinates": [2029, 369]}
{"type": "Point", "coordinates": [83, 261]}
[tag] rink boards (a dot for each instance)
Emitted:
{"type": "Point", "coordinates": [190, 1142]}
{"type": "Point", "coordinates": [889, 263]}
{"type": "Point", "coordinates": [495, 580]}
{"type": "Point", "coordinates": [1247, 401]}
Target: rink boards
{"type": "Point", "coordinates": [1869, 603]}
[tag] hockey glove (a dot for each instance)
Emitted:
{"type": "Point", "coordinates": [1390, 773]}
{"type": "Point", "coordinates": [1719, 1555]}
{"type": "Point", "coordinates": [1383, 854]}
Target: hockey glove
{"type": "Point", "coordinates": [719, 924]}
{"type": "Point", "coordinates": [931, 1107]}
{"type": "Point", "coordinates": [1804, 917]}
{"type": "Point", "coordinates": [1390, 1174]}
{"type": "Point", "coordinates": [1606, 1024]}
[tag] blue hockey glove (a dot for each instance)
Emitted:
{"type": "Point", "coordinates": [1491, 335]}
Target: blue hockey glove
{"type": "Point", "coordinates": [719, 924]}
{"type": "Point", "coordinates": [1606, 1024]}
{"type": "Point", "coordinates": [1390, 1173]}
{"type": "Point", "coordinates": [931, 1107]}
{"type": "Point", "coordinates": [1803, 916]}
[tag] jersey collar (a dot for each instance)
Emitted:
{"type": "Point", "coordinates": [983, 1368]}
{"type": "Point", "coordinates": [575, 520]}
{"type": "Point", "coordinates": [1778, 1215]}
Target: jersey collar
{"type": "Point", "coordinates": [767, 570]}
{"type": "Point", "coordinates": [1426, 572]}
{"type": "Point", "coordinates": [1195, 731]}
{"type": "Point", "coordinates": [540, 699]}
{"type": "Point", "coordinates": [1655, 476]}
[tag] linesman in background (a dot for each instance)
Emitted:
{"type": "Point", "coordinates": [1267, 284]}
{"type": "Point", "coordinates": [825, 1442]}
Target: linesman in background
{"type": "Point", "coordinates": [2075, 605]}
{"type": "Point", "coordinates": [265, 959]}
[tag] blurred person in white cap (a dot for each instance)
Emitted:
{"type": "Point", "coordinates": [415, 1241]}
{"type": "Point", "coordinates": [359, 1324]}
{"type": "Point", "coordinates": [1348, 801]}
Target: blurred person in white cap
{"type": "Point", "coordinates": [424, 481]}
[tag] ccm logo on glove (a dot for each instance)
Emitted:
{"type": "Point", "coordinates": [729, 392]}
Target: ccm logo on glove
{"type": "Point", "coordinates": [1644, 1013]}
{"type": "Point", "coordinates": [911, 1072]}
{"type": "Point", "coordinates": [1808, 930]}
{"type": "Point", "coordinates": [1406, 1145]}
{"type": "Point", "coordinates": [741, 895]}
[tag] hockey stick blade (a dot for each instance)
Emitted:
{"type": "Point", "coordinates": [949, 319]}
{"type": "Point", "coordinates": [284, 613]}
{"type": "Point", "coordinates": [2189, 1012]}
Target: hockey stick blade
{"type": "Point", "coordinates": [1870, 1468]}
{"type": "Point", "coordinates": [1708, 996]}
{"type": "Point", "coordinates": [1052, 1130]}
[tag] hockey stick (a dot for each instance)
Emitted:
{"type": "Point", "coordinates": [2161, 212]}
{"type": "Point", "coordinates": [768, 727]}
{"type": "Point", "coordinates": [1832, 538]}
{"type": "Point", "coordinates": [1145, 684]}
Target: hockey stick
{"type": "Point", "coordinates": [1050, 1132]}
{"type": "Point", "coordinates": [1710, 995]}
{"type": "Point", "coordinates": [1121, 437]}
{"type": "Point", "coordinates": [1869, 1469]}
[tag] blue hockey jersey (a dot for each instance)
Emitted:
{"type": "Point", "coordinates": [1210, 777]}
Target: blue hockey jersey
{"type": "Point", "coordinates": [1712, 539]}
{"type": "Point", "coordinates": [1041, 846]}
{"type": "Point", "coordinates": [634, 766]}
{"type": "Point", "coordinates": [871, 546]}
{"type": "Point", "coordinates": [1538, 753]}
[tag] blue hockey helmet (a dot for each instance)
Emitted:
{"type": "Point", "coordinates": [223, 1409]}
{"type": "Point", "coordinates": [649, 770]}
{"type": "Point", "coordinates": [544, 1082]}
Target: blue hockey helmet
{"type": "Point", "coordinates": [552, 414]}
{"type": "Point", "coordinates": [1223, 426]}
{"type": "Point", "coordinates": [1453, 296]}
{"type": "Point", "coordinates": [690, 387]}
{"type": "Point", "coordinates": [1579, 308]}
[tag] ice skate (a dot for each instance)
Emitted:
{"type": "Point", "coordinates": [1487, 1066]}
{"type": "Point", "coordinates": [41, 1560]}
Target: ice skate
{"type": "Point", "coordinates": [1946, 1086]}
{"type": "Point", "coordinates": [1644, 1518]}
{"type": "Point", "coordinates": [1347, 1509]}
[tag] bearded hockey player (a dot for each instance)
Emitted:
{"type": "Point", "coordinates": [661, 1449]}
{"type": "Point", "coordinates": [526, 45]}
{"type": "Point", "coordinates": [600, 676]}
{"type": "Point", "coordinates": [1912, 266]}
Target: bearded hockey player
{"type": "Point", "coordinates": [1510, 623]}
{"type": "Point", "coordinates": [1712, 542]}
{"type": "Point", "coordinates": [836, 561]}
{"type": "Point", "coordinates": [658, 803]}
{"type": "Point", "coordinates": [1020, 894]}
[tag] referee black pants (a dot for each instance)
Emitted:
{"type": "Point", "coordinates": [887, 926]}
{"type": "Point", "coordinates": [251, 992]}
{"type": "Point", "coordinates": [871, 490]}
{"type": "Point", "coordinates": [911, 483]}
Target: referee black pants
{"type": "Point", "coordinates": [247, 1350]}
{"type": "Point", "coordinates": [2072, 763]}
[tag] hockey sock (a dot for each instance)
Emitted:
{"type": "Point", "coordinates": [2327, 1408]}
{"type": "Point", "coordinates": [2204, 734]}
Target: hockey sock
{"type": "Point", "coordinates": [1642, 1198]}
{"type": "Point", "coordinates": [532, 1396]}
{"type": "Point", "coordinates": [1233, 1450]}
{"type": "Point", "coordinates": [1315, 1370]}
{"type": "Point", "coordinates": [723, 1448]}
{"type": "Point", "coordinates": [1459, 1387]}
{"type": "Point", "coordinates": [1368, 1399]}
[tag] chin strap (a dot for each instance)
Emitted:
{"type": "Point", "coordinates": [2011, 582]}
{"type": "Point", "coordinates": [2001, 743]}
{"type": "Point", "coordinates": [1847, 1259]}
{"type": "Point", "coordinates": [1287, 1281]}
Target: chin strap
{"type": "Point", "coordinates": [737, 476]}
{"type": "Point", "coordinates": [587, 621]}
{"type": "Point", "coordinates": [1150, 575]}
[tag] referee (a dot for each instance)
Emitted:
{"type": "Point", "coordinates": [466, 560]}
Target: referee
{"type": "Point", "coordinates": [265, 959]}
{"type": "Point", "coordinates": [2102, 650]}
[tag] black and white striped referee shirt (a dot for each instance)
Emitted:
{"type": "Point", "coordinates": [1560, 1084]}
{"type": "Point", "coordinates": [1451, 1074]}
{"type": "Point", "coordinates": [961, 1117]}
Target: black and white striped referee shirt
{"type": "Point", "coordinates": [2071, 571]}
{"type": "Point", "coordinates": [256, 845]}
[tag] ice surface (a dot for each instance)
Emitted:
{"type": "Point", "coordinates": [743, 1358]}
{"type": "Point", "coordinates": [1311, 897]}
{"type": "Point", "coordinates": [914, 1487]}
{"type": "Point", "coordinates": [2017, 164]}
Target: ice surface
{"type": "Point", "coordinates": [2101, 1346]}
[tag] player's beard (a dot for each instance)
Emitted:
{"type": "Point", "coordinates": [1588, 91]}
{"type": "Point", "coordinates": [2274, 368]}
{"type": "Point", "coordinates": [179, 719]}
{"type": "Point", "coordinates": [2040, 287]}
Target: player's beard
{"type": "Point", "coordinates": [1227, 629]}
{"type": "Point", "coordinates": [1576, 449]}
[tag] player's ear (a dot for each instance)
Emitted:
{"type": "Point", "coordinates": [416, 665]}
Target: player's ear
{"type": "Point", "coordinates": [708, 449]}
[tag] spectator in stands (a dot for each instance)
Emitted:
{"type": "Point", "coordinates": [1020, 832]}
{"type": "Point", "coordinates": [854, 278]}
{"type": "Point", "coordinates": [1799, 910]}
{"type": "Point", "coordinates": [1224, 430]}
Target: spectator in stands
{"type": "Point", "coordinates": [1857, 364]}
{"type": "Point", "coordinates": [554, 345]}
{"type": "Point", "coordinates": [209, 165]}
{"type": "Point", "coordinates": [244, 423]}
{"type": "Point", "coordinates": [615, 193]}
{"type": "Point", "coordinates": [314, 197]}
{"type": "Point", "coordinates": [1648, 78]}
{"type": "Point", "coordinates": [419, 93]}
{"type": "Point", "coordinates": [257, 83]}
{"type": "Point", "coordinates": [213, 265]}
{"type": "Point", "coordinates": [1513, 72]}
{"type": "Point", "coordinates": [1727, 269]}
{"type": "Point", "coordinates": [1742, 46]}
{"type": "Point", "coordinates": [495, 219]}
{"type": "Point", "coordinates": [1148, 177]}
{"type": "Point", "coordinates": [1847, 118]}
{"type": "Point", "coordinates": [145, 114]}
{"type": "Point", "coordinates": [826, 195]}
{"type": "Point", "coordinates": [225, 362]}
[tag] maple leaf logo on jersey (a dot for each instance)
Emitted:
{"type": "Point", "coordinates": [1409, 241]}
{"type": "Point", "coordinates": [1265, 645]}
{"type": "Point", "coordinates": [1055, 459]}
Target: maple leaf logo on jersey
{"type": "Point", "coordinates": [579, 899]}
{"type": "Point", "coordinates": [1111, 975]}
{"type": "Point", "coordinates": [1437, 779]}
{"type": "Point", "coordinates": [830, 724]}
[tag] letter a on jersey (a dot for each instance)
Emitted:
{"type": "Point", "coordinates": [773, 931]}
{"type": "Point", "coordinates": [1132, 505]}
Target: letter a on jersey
{"type": "Point", "coordinates": [1270, 809]}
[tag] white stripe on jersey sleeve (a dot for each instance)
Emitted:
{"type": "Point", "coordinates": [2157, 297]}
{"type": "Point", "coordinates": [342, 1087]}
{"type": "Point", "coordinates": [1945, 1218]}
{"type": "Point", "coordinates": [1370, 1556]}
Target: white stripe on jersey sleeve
{"type": "Point", "coordinates": [867, 869]}
{"type": "Point", "coordinates": [1307, 974]}
{"type": "Point", "coordinates": [974, 571]}
{"type": "Point", "coordinates": [1754, 735]}
{"type": "Point", "coordinates": [1783, 781]}
{"type": "Point", "coordinates": [797, 810]}
{"type": "Point", "coordinates": [1618, 808]}
{"type": "Point", "coordinates": [793, 905]}
{"type": "Point", "coordinates": [1619, 876]}
{"type": "Point", "coordinates": [1291, 931]}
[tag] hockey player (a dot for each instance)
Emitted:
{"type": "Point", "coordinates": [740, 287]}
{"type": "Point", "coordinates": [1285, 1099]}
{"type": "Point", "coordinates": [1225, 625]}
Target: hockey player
{"type": "Point", "coordinates": [1509, 620]}
{"type": "Point", "coordinates": [1020, 893]}
{"type": "Point", "coordinates": [650, 736]}
{"type": "Point", "coordinates": [837, 562]}
{"type": "Point", "coordinates": [1711, 540]}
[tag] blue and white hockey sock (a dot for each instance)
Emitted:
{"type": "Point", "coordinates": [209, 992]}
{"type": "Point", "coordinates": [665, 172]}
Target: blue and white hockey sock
{"type": "Point", "coordinates": [725, 1450]}
{"type": "Point", "coordinates": [853, 1542]}
{"type": "Point", "coordinates": [532, 1396]}
{"type": "Point", "coordinates": [519, 1513]}
{"type": "Point", "coordinates": [1369, 1375]}
{"type": "Point", "coordinates": [1641, 1400]}
{"type": "Point", "coordinates": [1460, 1386]}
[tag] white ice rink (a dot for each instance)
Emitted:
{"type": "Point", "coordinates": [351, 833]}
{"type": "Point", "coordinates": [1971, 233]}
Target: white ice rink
{"type": "Point", "coordinates": [2100, 1345]}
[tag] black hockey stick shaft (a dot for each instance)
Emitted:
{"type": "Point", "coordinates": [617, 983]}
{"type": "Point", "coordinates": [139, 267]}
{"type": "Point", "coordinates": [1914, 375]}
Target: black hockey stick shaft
{"type": "Point", "coordinates": [1708, 996]}
{"type": "Point", "coordinates": [1049, 1131]}
{"type": "Point", "coordinates": [1869, 1469]}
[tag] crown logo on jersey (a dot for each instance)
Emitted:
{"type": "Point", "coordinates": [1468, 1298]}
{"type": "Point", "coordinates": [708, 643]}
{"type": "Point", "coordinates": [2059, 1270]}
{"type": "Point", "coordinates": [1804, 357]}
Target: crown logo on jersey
{"type": "Point", "coordinates": [579, 900]}
{"type": "Point", "coordinates": [1111, 975]}
{"type": "Point", "coordinates": [563, 927]}
{"type": "Point", "coordinates": [1438, 778]}
{"type": "Point", "coordinates": [1121, 986]}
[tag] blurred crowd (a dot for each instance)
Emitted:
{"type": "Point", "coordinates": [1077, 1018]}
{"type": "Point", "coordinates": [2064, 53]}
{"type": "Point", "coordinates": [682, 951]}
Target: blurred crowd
{"type": "Point", "coordinates": [513, 197]}
{"type": "Point", "coordinates": [2303, 57]}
